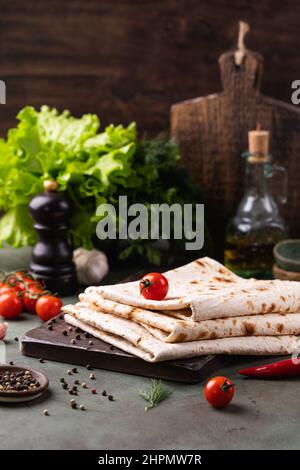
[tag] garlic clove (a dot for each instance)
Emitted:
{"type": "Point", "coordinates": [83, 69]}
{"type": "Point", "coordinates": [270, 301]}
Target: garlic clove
{"type": "Point", "coordinates": [91, 266]}
{"type": "Point", "coordinates": [3, 330]}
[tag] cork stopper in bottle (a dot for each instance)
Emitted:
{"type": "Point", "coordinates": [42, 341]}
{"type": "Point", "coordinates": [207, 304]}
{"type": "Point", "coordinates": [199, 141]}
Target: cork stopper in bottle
{"type": "Point", "coordinates": [258, 145]}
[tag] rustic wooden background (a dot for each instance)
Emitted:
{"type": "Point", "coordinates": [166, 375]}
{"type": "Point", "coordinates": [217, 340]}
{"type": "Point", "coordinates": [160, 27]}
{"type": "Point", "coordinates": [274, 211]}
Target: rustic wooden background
{"type": "Point", "coordinates": [130, 60]}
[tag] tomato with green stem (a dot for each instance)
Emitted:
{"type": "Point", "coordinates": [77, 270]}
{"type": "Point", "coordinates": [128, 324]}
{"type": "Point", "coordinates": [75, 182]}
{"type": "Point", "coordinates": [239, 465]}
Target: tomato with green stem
{"type": "Point", "coordinates": [154, 286]}
{"type": "Point", "coordinates": [219, 391]}
{"type": "Point", "coordinates": [31, 296]}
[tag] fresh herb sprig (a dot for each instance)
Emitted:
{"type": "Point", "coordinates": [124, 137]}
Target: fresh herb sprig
{"type": "Point", "coordinates": [157, 394]}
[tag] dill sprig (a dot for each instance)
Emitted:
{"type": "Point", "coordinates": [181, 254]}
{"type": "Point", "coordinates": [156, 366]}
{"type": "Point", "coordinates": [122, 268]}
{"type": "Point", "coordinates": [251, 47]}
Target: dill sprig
{"type": "Point", "coordinates": [157, 394]}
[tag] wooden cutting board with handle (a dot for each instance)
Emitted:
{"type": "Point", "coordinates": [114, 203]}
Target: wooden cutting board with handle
{"type": "Point", "coordinates": [212, 133]}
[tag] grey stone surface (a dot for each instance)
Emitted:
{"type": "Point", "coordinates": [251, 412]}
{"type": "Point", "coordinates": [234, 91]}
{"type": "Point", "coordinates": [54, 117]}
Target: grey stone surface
{"type": "Point", "coordinates": [263, 414]}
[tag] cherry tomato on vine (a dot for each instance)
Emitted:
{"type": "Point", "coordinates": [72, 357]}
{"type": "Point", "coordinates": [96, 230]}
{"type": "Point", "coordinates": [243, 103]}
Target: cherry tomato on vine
{"type": "Point", "coordinates": [48, 306]}
{"type": "Point", "coordinates": [4, 288]}
{"type": "Point", "coordinates": [219, 391]}
{"type": "Point", "coordinates": [31, 296]}
{"type": "Point", "coordinates": [24, 276]}
{"type": "Point", "coordinates": [10, 305]}
{"type": "Point", "coordinates": [154, 286]}
{"type": "Point", "coordinates": [15, 283]}
{"type": "Point", "coordinates": [19, 287]}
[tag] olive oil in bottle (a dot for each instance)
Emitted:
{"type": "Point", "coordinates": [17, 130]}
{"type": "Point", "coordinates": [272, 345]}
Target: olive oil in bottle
{"type": "Point", "coordinates": [257, 226]}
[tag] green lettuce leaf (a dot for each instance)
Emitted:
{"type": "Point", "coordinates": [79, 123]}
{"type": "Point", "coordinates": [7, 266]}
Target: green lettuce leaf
{"type": "Point", "coordinates": [16, 227]}
{"type": "Point", "coordinates": [92, 167]}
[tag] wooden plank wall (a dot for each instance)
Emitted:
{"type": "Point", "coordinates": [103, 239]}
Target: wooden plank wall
{"type": "Point", "coordinates": [130, 60]}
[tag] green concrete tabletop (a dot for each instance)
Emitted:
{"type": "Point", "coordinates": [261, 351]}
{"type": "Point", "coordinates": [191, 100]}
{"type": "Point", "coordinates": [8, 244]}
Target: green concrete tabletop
{"type": "Point", "coordinates": [263, 414]}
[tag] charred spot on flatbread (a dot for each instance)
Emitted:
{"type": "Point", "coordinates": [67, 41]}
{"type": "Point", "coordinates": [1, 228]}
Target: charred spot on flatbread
{"type": "Point", "coordinates": [201, 263]}
{"type": "Point", "coordinates": [223, 270]}
{"type": "Point", "coordinates": [279, 328]}
{"type": "Point", "coordinates": [264, 308]}
{"type": "Point", "coordinates": [250, 304]}
{"type": "Point", "coordinates": [248, 328]}
{"type": "Point", "coordinates": [222, 279]}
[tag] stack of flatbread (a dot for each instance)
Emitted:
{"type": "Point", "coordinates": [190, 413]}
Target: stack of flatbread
{"type": "Point", "coordinates": [208, 310]}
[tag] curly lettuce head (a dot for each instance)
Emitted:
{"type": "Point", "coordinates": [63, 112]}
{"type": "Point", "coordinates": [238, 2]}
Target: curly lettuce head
{"type": "Point", "coordinates": [48, 144]}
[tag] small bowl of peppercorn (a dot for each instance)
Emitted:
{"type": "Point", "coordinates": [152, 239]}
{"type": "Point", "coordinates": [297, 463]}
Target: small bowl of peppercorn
{"type": "Point", "coordinates": [19, 384]}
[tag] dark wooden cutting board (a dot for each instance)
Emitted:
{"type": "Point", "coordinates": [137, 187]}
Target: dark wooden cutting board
{"type": "Point", "coordinates": [212, 133]}
{"type": "Point", "coordinates": [53, 345]}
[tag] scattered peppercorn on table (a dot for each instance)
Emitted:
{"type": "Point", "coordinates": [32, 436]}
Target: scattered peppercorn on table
{"type": "Point", "coordinates": [105, 411]}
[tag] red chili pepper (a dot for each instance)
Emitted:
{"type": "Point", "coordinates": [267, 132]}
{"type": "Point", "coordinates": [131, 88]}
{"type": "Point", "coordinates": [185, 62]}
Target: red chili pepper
{"type": "Point", "coordinates": [286, 368]}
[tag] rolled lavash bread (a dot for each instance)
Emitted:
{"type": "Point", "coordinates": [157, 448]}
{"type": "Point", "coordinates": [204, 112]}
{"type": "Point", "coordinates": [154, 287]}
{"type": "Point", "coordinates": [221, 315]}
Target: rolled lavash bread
{"type": "Point", "coordinates": [211, 291]}
{"type": "Point", "coordinates": [136, 340]}
{"type": "Point", "coordinates": [173, 330]}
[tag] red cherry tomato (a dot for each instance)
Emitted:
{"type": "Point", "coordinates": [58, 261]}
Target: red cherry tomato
{"type": "Point", "coordinates": [10, 305]}
{"type": "Point", "coordinates": [33, 290]}
{"type": "Point", "coordinates": [29, 302]}
{"type": "Point", "coordinates": [19, 287]}
{"type": "Point", "coordinates": [16, 283]}
{"type": "Point", "coordinates": [48, 306]}
{"type": "Point", "coordinates": [31, 296]}
{"type": "Point", "coordinates": [154, 286]}
{"type": "Point", "coordinates": [4, 289]}
{"type": "Point", "coordinates": [219, 391]}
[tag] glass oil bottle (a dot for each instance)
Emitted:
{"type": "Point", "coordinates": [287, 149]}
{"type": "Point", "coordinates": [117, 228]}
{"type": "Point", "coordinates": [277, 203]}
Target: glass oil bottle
{"type": "Point", "coordinates": [257, 226]}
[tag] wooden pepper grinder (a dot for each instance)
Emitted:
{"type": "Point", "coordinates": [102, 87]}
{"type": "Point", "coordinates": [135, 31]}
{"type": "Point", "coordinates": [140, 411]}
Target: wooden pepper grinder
{"type": "Point", "coordinates": [52, 256]}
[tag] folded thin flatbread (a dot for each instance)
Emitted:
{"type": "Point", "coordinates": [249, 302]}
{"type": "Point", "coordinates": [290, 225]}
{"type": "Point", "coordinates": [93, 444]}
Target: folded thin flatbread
{"type": "Point", "coordinates": [174, 330]}
{"type": "Point", "coordinates": [211, 291]}
{"type": "Point", "coordinates": [135, 339]}
{"type": "Point", "coordinates": [203, 276]}
{"type": "Point", "coordinates": [208, 310]}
